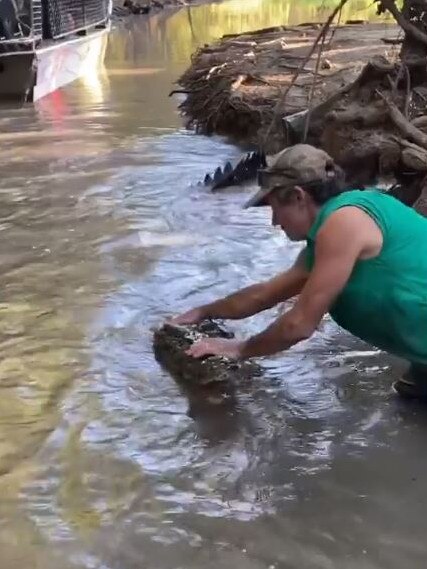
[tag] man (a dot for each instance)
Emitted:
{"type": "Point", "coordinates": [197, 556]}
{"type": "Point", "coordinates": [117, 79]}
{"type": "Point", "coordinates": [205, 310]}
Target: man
{"type": "Point", "coordinates": [365, 263]}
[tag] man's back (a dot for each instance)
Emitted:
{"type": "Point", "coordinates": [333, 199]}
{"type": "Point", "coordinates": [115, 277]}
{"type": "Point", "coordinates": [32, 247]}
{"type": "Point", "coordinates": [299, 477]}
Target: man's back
{"type": "Point", "coordinates": [385, 299]}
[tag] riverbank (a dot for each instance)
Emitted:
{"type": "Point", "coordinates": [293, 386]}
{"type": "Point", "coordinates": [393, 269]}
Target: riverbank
{"type": "Point", "coordinates": [234, 85]}
{"type": "Point", "coordinates": [270, 88]}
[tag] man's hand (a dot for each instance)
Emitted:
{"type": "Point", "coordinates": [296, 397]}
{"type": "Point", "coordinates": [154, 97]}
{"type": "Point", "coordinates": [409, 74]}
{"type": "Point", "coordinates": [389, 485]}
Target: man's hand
{"type": "Point", "coordinates": [216, 347]}
{"type": "Point", "coordinates": [194, 316]}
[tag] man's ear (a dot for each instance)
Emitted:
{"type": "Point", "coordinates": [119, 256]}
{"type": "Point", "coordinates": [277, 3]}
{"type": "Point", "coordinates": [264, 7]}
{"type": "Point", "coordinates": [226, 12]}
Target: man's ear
{"type": "Point", "coordinates": [298, 195]}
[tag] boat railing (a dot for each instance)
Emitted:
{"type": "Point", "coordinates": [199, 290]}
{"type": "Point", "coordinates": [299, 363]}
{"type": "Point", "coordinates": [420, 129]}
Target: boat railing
{"type": "Point", "coordinates": [21, 24]}
{"type": "Point", "coordinates": [24, 24]}
{"type": "Point", "coordinates": [65, 17]}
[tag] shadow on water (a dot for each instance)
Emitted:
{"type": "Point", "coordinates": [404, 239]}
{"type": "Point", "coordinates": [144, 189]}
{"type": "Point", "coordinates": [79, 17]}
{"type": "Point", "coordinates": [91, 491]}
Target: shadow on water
{"type": "Point", "coordinates": [106, 462]}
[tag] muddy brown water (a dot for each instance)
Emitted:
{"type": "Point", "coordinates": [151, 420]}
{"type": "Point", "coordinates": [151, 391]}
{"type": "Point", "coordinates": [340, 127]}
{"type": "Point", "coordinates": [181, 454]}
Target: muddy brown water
{"type": "Point", "coordinates": [104, 462]}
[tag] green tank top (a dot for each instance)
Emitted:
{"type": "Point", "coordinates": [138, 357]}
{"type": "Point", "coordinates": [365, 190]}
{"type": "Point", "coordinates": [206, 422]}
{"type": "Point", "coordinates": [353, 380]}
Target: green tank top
{"type": "Point", "coordinates": [385, 300]}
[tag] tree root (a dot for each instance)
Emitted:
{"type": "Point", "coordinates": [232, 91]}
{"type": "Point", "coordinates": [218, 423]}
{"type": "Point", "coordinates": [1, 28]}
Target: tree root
{"type": "Point", "coordinates": [408, 130]}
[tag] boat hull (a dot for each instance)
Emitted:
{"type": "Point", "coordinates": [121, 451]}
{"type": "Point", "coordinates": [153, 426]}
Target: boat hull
{"type": "Point", "coordinates": [33, 74]}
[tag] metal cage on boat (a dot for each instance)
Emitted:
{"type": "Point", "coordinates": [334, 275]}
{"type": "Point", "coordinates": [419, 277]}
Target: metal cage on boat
{"type": "Point", "coordinates": [65, 17]}
{"type": "Point", "coordinates": [24, 22]}
{"type": "Point", "coordinates": [20, 21]}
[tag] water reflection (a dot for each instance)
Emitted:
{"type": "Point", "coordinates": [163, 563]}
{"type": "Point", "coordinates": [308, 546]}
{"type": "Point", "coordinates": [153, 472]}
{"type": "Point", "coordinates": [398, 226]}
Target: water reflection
{"type": "Point", "coordinates": [177, 38]}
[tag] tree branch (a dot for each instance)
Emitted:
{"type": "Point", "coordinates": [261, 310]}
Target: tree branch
{"type": "Point", "coordinates": [322, 34]}
{"type": "Point", "coordinates": [408, 27]}
{"type": "Point", "coordinates": [406, 128]}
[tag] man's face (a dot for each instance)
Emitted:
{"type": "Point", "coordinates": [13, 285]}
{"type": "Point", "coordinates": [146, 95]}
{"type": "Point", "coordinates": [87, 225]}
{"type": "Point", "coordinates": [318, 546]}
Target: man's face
{"type": "Point", "coordinates": [291, 215]}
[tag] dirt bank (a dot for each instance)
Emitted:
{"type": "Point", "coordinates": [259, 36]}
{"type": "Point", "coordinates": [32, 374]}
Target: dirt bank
{"type": "Point", "coordinates": [353, 97]}
{"type": "Point", "coordinates": [233, 85]}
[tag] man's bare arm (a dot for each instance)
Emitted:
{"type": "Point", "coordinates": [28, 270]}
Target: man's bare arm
{"type": "Point", "coordinates": [252, 299]}
{"type": "Point", "coordinates": [346, 236]}
{"type": "Point", "coordinates": [261, 296]}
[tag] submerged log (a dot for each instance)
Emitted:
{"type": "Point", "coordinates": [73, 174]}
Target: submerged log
{"type": "Point", "coordinates": [171, 343]}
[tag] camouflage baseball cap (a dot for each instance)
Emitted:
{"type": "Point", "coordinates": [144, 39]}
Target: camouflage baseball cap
{"type": "Point", "coordinates": [297, 165]}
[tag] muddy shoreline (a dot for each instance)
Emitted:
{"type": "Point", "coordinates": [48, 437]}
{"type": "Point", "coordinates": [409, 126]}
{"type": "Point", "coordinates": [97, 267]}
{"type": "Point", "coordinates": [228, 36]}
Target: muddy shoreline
{"type": "Point", "coordinates": [233, 85]}
{"type": "Point", "coordinates": [265, 88]}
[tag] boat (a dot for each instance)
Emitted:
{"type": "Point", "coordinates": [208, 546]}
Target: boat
{"type": "Point", "coordinates": [47, 44]}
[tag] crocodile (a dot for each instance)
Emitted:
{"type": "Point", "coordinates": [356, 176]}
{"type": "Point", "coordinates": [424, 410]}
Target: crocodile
{"type": "Point", "coordinates": [245, 170]}
{"type": "Point", "coordinates": [171, 342]}
{"type": "Point", "coordinates": [247, 167]}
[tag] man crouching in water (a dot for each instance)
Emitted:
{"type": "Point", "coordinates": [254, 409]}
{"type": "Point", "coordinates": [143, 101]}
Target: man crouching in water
{"type": "Point", "coordinates": [365, 263]}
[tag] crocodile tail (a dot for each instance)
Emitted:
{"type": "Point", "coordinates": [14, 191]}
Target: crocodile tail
{"type": "Point", "coordinates": [245, 170]}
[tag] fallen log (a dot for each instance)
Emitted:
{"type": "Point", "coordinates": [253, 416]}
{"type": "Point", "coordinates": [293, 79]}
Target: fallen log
{"type": "Point", "coordinates": [171, 343]}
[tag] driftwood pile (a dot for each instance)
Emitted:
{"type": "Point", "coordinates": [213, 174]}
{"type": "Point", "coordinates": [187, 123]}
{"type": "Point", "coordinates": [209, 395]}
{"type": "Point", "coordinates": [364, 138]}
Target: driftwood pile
{"type": "Point", "coordinates": [351, 95]}
{"type": "Point", "coordinates": [234, 85]}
